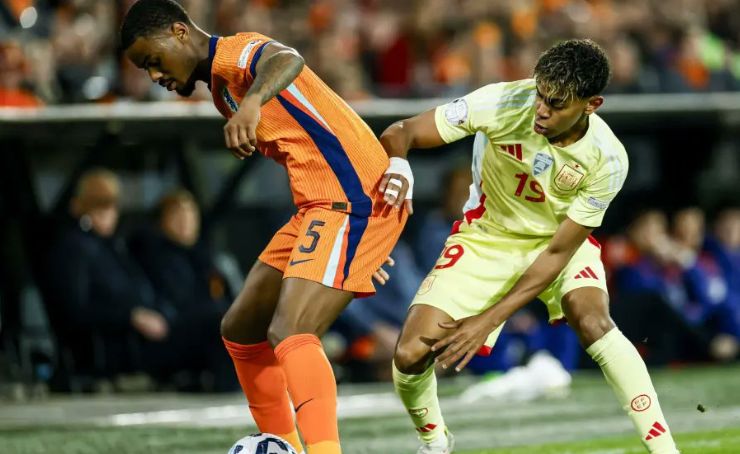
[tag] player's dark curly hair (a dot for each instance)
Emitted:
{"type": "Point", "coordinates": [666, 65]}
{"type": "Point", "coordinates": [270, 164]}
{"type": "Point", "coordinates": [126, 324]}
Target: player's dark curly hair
{"type": "Point", "coordinates": [146, 17]}
{"type": "Point", "coordinates": [577, 68]}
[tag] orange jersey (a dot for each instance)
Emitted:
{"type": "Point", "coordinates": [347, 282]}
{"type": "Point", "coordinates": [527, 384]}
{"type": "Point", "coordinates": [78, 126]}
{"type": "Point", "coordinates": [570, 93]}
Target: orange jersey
{"type": "Point", "coordinates": [332, 157]}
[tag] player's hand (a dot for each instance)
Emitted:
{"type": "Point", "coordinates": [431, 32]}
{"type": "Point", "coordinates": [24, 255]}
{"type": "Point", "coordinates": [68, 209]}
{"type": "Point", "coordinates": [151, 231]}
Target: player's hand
{"type": "Point", "coordinates": [381, 276]}
{"type": "Point", "coordinates": [151, 324]}
{"type": "Point", "coordinates": [397, 184]}
{"type": "Point", "coordinates": [240, 132]}
{"type": "Point", "coordinates": [466, 337]}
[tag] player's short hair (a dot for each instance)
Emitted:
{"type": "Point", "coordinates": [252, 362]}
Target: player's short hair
{"type": "Point", "coordinates": [146, 17]}
{"type": "Point", "coordinates": [576, 68]}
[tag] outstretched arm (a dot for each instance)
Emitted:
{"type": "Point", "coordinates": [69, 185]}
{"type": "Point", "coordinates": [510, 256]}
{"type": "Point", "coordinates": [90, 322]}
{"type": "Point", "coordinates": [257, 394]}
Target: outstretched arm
{"type": "Point", "coordinates": [416, 132]}
{"type": "Point", "coordinates": [274, 72]}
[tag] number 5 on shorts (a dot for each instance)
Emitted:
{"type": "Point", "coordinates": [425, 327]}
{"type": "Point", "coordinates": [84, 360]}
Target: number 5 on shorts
{"type": "Point", "coordinates": [315, 236]}
{"type": "Point", "coordinates": [453, 253]}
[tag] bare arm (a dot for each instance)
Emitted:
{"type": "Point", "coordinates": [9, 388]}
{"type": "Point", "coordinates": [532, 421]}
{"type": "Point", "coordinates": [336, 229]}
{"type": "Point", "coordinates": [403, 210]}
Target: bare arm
{"type": "Point", "coordinates": [416, 132]}
{"type": "Point", "coordinates": [276, 69]}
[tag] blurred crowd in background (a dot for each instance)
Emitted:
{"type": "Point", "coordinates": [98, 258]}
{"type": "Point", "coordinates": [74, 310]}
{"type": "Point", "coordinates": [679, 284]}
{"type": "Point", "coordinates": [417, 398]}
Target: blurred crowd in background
{"type": "Point", "coordinates": [65, 51]}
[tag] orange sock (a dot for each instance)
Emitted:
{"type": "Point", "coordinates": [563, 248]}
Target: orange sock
{"type": "Point", "coordinates": [314, 391]}
{"type": "Point", "coordinates": [263, 382]}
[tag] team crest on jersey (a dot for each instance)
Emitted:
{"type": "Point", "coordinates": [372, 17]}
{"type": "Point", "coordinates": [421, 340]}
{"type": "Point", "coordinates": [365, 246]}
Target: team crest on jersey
{"type": "Point", "coordinates": [541, 163]}
{"type": "Point", "coordinates": [568, 178]}
{"type": "Point", "coordinates": [229, 100]}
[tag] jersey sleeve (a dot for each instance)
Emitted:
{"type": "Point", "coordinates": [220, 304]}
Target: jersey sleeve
{"type": "Point", "coordinates": [240, 55]}
{"type": "Point", "coordinates": [594, 197]}
{"type": "Point", "coordinates": [489, 109]}
{"type": "Point", "coordinates": [462, 117]}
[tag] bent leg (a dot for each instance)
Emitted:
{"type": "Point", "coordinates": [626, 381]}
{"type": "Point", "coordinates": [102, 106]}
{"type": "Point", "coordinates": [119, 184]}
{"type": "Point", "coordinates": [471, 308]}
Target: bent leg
{"type": "Point", "coordinates": [305, 311]}
{"type": "Point", "coordinates": [587, 311]}
{"type": "Point", "coordinates": [244, 331]}
{"type": "Point", "coordinates": [413, 369]}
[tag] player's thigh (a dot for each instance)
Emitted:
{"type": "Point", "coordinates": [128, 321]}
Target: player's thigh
{"type": "Point", "coordinates": [420, 331]}
{"type": "Point", "coordinates": [580, 294]}
{"type": "Point", "coordinates": [306, 307]}
{"type": "Point", "coordinates": [248, 318]}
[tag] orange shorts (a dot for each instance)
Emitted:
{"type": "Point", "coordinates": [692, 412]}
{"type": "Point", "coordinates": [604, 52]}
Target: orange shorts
{"type": "Point", "coordinates": [334, 248]}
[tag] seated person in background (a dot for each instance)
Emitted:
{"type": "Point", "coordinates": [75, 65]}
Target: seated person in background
{"type": "Point", "coordinates": [192, 295]}
{"type": "Point", "coordinates": [724, 246]}
{"type": "Point", "coordinates": [706, 285]}
{"type": "Point", "coordinates": [99, 301]}
{"type": "Point", "coordinates": [679, 285]}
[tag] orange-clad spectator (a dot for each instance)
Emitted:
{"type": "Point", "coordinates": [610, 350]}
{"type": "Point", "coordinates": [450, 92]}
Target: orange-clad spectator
{"type": "Point", "coordinates": [13, 75]}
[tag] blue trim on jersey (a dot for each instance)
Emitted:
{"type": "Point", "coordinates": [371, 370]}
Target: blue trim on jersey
{"type": "Point", "coordinates": [357, 226]}
{"type": "Point", "coordinates": [212, 42]}
{"type": "Point", "coordinates": [255, 59]}
{"type": "Point", "coordinates": [336, 157]}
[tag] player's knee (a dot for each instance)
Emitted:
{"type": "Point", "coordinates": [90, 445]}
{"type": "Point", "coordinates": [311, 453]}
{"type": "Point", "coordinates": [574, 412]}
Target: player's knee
{"type": "Point", "coordinates": [592, 327]}
{"type": "Point", "coordinates": [229, 325]}
{"type": "Point", "coordinates": [412, 359]}
{"type": "Point", "coordinates": [282, 328]}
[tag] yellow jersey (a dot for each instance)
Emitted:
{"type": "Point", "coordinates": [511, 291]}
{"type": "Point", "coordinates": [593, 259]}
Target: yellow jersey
{"type": "Point", "coordinates": [522, 184]}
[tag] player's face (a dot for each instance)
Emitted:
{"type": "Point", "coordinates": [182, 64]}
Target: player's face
{"type": "Point", "coordinates": [167, 59]}
{"type": "Point", "coordinates": [555, 117]}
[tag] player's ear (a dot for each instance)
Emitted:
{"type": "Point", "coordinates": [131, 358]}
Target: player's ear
{"type": "Point", "coordinates": [593, 104]}
{"type": "Point", "coordinates": [181, 31]}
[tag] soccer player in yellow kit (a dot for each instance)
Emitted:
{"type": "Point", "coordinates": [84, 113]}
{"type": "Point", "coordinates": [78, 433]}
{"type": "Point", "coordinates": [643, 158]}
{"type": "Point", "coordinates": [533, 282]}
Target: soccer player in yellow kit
{"type": "Point", "coordinates": [545, 169]}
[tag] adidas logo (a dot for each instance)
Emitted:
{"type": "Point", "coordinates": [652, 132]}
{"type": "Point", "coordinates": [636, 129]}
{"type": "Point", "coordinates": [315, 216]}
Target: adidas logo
{"type": "Point", "coordinates": [586, 273]}
{"type": "Point", "coordinates": [428, 428]}
{"type": "Point", "coordinates": [656, 431]}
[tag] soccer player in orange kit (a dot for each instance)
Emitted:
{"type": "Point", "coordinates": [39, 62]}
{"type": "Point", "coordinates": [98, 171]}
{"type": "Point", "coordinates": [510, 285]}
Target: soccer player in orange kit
{"type": "Point", "coordinates": [329, 251]}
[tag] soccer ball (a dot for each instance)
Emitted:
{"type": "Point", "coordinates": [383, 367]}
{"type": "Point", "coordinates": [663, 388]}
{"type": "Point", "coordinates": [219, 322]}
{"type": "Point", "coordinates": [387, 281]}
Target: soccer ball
{"type": "Point", "coordinates": [262, 444]}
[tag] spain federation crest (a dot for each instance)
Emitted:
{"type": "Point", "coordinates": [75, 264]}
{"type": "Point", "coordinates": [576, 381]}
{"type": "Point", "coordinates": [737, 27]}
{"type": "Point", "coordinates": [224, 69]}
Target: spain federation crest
{"type": "Point", "coordinates": [541, 163]}
{"type": "Point", "coordinates": [568, 178]}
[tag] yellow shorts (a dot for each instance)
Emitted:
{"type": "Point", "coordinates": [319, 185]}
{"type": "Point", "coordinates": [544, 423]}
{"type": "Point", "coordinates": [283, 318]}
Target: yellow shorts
{"type": "Point", "coordinates": [480, 264]}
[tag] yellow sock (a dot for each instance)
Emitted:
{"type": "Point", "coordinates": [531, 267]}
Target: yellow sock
{"type": "Point", "coordinates": [419, 395]}
{"type": "Point", "coordinates": [626, 373]}
{"type": "Point", "coordinates": [293, 439]}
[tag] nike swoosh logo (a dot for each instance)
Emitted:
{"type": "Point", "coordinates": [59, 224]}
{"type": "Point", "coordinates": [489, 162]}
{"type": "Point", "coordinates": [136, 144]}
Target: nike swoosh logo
{"type": "Point", "coordinates": [303, 403]}
{"type": "Point", "coordinates": [296, 262]}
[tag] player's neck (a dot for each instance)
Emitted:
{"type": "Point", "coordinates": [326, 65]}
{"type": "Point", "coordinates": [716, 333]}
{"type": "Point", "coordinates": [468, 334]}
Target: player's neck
{"type": "Point", "coordinates": [203, 67]}
{"type": "Point", "coordinates": [572, 135]}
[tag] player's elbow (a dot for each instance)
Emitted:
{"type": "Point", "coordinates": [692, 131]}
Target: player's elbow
{"type": "Point", "coordinates": [296, 59]}
{"type": "Point", "coordinates": [397, 134]}
{"type": "Point", "coordinates": [299, 61]}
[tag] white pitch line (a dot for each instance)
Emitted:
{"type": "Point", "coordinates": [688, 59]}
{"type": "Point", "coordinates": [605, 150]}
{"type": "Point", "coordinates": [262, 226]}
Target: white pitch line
{"type": "Point", "coordinates": [349, 406]}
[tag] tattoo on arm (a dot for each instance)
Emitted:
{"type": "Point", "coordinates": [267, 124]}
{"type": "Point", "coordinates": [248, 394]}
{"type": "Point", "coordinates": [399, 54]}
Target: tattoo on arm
{"type": "Point", "coordinates": [275, 74]}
